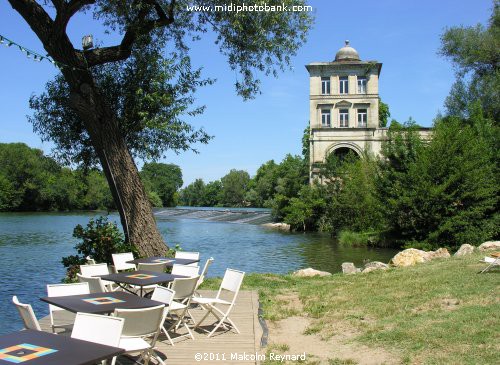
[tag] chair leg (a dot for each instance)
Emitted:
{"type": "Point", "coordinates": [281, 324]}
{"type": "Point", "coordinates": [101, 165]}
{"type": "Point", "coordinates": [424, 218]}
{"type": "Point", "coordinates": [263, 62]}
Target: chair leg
{"type": "Point", "coordinates": [168, 336]}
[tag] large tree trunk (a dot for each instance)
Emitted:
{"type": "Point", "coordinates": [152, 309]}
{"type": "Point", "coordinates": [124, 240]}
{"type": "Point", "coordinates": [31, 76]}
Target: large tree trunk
{"type": "Point", "coordinates": [121, 172]}
{"type": "Point", "coordinates": [100, 121]}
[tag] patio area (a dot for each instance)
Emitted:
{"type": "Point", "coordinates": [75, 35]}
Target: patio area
{"type": "Point", "coordinates": [224, 343]}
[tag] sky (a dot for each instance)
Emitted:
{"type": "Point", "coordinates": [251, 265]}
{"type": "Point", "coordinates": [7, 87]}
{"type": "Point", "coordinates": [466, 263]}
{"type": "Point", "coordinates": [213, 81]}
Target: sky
{"type": "Point", "coordinates": [402, 34]}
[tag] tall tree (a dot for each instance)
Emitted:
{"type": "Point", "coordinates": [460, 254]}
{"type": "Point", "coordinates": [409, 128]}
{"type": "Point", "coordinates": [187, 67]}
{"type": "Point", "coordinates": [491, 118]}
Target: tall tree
{"type": "Point", "coordinates": [165, 180]}
{"type": "Point", "coordinates": [139, 116]}
{"type": "Point", "coordinates": [475, 53]}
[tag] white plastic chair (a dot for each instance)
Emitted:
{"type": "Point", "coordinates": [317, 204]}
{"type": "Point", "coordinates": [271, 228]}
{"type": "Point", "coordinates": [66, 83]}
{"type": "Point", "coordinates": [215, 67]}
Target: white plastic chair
{"type": "Point", "coordinates": [120, 261]}
{"type": "Point", "coordinates": [61, 318]}
{"type": "Point", "coordinates": [183, 289]}
{"type": "Point", "coordinates": [156, 267]}
{"type": "Point", "coordinates": [203, 275]}
{"type": "Point", "coordinates": [96, 285]}
{"type": "Point", "coordinates": [27, 315]}
{"type": "Point", "coordinates": [185, 270]}
{"type": "Point", "coordinates": [230, 283]}
{"type": "Point", "coordinates": [166, 296]}
{"type": "Point", "coordinates": [97, 270]}
{"type": "Point", "coordinates": [141, 330]}
{"type": "Point", "coordinates": [104, 330]}
{"type": "Point", "coordinates": [491, 261]}
{"type": "Point", "coordinates": [188, 255]}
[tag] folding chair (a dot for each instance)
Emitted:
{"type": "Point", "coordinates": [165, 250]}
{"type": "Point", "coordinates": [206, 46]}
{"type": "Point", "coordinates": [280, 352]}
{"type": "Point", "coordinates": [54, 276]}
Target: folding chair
{"type": "Point", "coordinates": [104, 330]}
{"type": "Point", "coordinates": [188, 255]}
{"type": "Point", "coordinates": [186, 270]}
{"type": "Point", "coordinates": [27, 315]}
{"type": "Point", "coordinates": [230, 283]}
{"type": "Point", "coordinates": [141, 330]}
{"type": "Point", "coordinates": [120, 261]}
{"type": "Point", "coordinates": [96, 285]}
{"type": "Point", "coordinates": [96, 270]}
{"type": "Point", "coordinates": [491, 261]}
{"type": "Point", "coordinates": [203, 275]}
{"type": "Point", "coordinates": [61, 318]}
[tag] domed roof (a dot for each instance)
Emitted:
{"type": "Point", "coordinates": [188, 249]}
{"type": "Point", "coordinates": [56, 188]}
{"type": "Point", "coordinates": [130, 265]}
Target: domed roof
{"type": "Point", "coordinates": [347, 53]}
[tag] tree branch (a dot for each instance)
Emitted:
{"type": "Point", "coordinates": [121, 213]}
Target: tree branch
{"type": "Point", "coordinates": [66, 12]}
{"type": "Point", "coordinates": [139, 27]}
{"type": "Point", "coordinates": [36, 17]}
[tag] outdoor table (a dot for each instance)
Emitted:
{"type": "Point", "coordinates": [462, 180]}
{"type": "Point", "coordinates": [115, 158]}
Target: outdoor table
{"type": "Point", "coordinates": [159, 259]}
{"type": "Point", "coordinates": [41, 348]}
{"type": "Point", "coordinates": [140, 278]}
{"type": "Point", "coordinates": [100, 303]}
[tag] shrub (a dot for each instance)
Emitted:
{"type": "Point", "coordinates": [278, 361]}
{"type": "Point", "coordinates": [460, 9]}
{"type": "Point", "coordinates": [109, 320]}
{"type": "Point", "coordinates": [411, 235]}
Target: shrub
{"type": "Point", "coordinates": [100, 239]}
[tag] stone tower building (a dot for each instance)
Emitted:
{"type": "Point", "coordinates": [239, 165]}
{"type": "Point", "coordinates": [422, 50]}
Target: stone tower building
{"type": "Point", "coordinates": [344, 107]}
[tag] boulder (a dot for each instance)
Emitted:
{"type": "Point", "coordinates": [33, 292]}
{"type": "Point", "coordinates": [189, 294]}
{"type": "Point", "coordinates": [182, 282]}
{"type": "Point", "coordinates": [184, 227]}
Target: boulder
{"type": "Point", "coordinates": [440, 253]}
{"type": "Point", "coordinates": [375, 265]}
{"type": "Point", "coordinates": [373, 268]}
{"type": "Point", "coordinates": [412, 256]}
{"type": "Point", "coordinates": [310, 272]}
{"type": "Point", "coordinates": [280, 226]}
{"type": "Point", "coordinates": [409, 257]}
{"type": "Point", "coordinates": [349, 268]}
{"type": "Point", "coordinates": [489, 245]}
{"type": "Point", "coordinates": [465, 249]}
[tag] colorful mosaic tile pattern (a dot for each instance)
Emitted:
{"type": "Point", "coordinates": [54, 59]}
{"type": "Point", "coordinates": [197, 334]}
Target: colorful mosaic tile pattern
{"type": "Point", "coordinates": [141, 276]}
{"type": "Point", "coordinates": [103, 300]}
{"type": "Point", "coordinates": [24, 352]}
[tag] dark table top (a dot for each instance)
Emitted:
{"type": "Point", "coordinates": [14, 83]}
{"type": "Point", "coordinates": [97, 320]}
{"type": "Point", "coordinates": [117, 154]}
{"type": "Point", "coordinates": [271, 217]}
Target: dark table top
{"type": "Point", "coordinates": [101, 303]}
{"type": "Point", "coordinates": [157, 259]}
{"type": "Point", "coordinates": [41, 348]}
{"type": "Point", "coordinates": [141, 277]}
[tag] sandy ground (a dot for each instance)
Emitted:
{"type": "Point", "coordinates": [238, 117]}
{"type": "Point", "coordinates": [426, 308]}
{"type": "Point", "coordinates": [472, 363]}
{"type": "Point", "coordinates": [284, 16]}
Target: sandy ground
{"type": "Point", "coordinates": [290, 332]}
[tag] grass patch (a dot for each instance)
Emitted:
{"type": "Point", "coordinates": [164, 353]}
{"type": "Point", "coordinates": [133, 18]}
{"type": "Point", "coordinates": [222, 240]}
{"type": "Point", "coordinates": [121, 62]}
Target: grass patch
{"type": "Point", "coordinates": [441, 312]}
{"type": "Point", "coordinates": [355, 239]}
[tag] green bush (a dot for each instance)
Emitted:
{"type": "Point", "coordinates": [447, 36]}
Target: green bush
{"type": "Point", "coordinates": [100, 239]}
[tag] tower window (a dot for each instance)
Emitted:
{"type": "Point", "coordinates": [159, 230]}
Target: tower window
{"type": "Point", "coordinates": [325, 85]}
{"type": "Point", "coordinates": [325, 118]}
{"type": "Point", "coordinates": [344, 85]}
{"type": "Point", "coordinates": [362, 117]}
{"type": "Point", "coordinates": [344, 118]}
{"type": "Point", "coordinates": [361, 85]}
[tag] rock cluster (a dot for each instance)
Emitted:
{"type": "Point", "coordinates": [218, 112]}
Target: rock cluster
{"type": "Point", "coordinates": [280, 226]}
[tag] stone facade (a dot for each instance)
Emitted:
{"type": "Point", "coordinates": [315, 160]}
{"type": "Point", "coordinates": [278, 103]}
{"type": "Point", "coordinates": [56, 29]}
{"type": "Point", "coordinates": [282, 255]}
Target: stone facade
{"type": "Point", "coordinates": [344, 107]}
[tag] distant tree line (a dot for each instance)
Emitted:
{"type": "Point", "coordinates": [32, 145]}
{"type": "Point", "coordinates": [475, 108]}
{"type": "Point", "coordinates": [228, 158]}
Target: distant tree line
{"type": "Point", "coordinates": [31, 181]}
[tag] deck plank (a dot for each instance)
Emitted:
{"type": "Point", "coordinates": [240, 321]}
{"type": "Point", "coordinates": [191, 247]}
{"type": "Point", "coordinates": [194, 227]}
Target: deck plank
{"type": "Point", "coordinates": [223, 343]}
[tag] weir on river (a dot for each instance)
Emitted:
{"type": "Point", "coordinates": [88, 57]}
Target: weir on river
{"type": "Point", "coordinates": [219, 215]}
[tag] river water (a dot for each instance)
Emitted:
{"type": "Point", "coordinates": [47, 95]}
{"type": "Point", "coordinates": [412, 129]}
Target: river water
{"type": "Point", "coordinates": [32, 244]}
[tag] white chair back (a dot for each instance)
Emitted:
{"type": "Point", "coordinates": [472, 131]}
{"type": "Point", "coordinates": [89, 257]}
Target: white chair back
{"type": "Point", "coordinates": [63, 290]}
{"type": "Point", "coordinates": [105, 330]}
{"type": "Point", "coordinates": [185, 270]}
{"type": "Point", "coordinates": [27, 315]}
{"type": "Point", "coordinates": [156, 267]}
{"type": "Point", "coordinates": [231, 282]}
{"type": "Point", "coordinates": [204, 272]}
{"type": "Point", "coordinates": [163, 295]}
{"type": "Point", "coordinates": [120, 261]}
{"type": "Point", "coordinates": [94, 269]}
{"type": "Point", "coordinates": [141, 322]}
{"type": "Point", "coordinates": [96, 285]}
{"type": "Point", "coordinates": [188, 255]}
{"type": "Point", "coordinates": [184, 288]}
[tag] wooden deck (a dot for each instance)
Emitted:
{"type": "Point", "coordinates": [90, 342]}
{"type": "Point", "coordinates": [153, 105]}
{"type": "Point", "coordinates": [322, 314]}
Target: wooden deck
{"type": "Point", "coordinates": [224, 343]}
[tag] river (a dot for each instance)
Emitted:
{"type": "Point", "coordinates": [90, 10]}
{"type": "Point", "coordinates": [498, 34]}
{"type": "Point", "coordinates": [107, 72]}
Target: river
{"type": "Point", "coordinates": [32, 244]}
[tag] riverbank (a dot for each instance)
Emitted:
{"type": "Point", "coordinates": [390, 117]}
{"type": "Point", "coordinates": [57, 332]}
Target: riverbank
{"type": "Point", "coordinates": [437, 312]}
